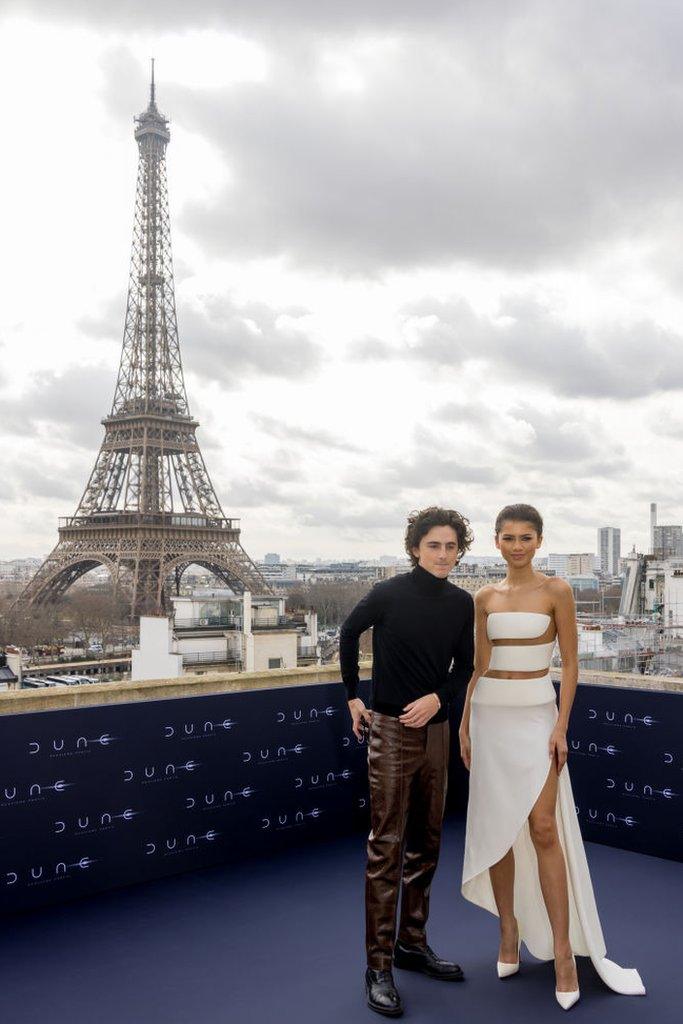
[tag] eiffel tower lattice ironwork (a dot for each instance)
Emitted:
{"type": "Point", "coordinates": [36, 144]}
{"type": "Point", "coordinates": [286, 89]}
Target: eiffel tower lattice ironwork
{"type": "Point", "coordinates": [149, 509]}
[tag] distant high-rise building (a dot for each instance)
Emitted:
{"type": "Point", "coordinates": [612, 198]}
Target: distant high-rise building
{"type": "Point", "coordinates": [653, 524]}
{"type": "Point", "coordinates": [272, 558]}
{"type": "Point", "coordinates": [668, 541]}
{"type": "Point", "coordinates": [582, 564]}
{"type": "Point", "coordinates": [558, 564]}
{"type": "Point", "coordinates": [609, 549]}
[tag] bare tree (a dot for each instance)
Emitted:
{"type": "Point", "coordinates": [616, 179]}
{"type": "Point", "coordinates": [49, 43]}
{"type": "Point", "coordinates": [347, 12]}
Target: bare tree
{"type": "Point", "coordinates": [98, 615]}
{"type": "Point", "coordinates": [331, 599]}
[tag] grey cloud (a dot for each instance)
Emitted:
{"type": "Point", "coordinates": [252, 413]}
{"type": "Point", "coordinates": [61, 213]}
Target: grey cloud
{"type": "Point", "coordinates": [73, 402]}
{"type": "Point", "coordinates": [667, 424]}
{"type": "Point", "coordinates": [40, 484]}
{"type": "Point", "coordinates": [107, 323]}
{"type": "Point", "coordinates": [316, 437]}
{"type": "Point", "coordinates": [423, 468]}
{"type": "Point", "coordinates": [602, 469]}
{"type": "Point", "coordinates": [369, 349]}
{"type": "Point", "coordinates": [569, 435]}
{"type": "Point", "coordinates": [284, 467]}
{"type": "Point", "coordinates": [520, 135]}
{"type": "Point", "coordinates": [467, 413]}
{"type": "Point", "coordinates": [482, 141]}
{"type": "Point", "coordinates": [249, 15]}
{"type": "Point", "coordinates": [529, 343]}
{"type": "Point", "coordinates": [221, 341]}
{"type": "Point", "coordinates": [376, 516]}
{"type": "Point", "coordinates": [556, 439]}
{"type": "Point", "coordinates": [249, 492]}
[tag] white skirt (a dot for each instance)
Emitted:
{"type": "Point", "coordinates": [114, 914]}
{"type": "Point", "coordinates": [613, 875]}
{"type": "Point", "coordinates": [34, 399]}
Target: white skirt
{"type": "Point", "coordinates": [510, 764]}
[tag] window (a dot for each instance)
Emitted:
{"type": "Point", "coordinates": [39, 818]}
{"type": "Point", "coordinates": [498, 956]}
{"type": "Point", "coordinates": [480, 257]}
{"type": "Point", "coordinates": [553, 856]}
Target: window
{"type": "Point", "coordinates": [274, 662]}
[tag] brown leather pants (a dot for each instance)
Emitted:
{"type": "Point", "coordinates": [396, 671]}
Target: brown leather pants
{"type": "Point", "coordinates": [408, 774]}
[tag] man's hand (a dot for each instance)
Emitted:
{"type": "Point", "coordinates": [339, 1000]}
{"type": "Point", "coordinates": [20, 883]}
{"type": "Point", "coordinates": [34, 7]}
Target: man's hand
{"type": "Point", "coordinates": [418, 712]}
{"type": "Point", "coordinates": [360, 715]}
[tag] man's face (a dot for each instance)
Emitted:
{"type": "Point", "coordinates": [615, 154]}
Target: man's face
{"type": "Point", "coordinates": [438, 551]}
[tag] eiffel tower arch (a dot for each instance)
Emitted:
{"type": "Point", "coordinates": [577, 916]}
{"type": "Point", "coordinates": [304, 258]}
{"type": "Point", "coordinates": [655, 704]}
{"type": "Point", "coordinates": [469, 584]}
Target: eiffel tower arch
{"type": "Point", "coordinates": [149, 509]}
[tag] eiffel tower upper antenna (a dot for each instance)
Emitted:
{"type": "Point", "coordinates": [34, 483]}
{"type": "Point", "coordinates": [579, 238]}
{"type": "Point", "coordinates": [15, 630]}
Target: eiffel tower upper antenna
{"type": "Point", "coordinates": [152, 99]}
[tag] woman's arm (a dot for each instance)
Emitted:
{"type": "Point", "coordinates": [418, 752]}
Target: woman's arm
{"type": "Point", "coordinates": [482, 657]}
{"type": "Point", "coordinates": [564, 611]}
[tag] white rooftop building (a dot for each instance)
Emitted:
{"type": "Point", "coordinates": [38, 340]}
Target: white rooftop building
{"type": "Point", "coordinates": [218, 629]}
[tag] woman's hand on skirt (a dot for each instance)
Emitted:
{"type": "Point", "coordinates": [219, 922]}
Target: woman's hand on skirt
{"type": "Point", "coordinates": [557, 748]}
{"type": "Point", "coordinates": [465, 747]}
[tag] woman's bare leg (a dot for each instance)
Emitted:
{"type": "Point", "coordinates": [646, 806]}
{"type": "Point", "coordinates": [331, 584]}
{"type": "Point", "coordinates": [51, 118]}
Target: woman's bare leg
{"type": "Point", "coordinates": [552, 873]}
{"type": "Point", "coordinates": [503, 881]}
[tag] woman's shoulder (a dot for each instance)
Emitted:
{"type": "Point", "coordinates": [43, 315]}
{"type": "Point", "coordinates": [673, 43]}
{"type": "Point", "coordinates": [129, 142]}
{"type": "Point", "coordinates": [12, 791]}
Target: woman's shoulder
{"type": "Point", "coordinates": [557, 586]}
{"type": "Point", "coordinates": [483, 595]}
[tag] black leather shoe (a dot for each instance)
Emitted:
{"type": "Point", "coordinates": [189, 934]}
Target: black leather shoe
{"type": "Point", "coordinates": [425, 960]}
{"type": "Point", "coordinates": [382, 995]}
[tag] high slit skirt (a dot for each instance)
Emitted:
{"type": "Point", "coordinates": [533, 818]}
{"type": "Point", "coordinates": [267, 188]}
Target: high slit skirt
{"type": "Point", "coordinates": [510, 764]}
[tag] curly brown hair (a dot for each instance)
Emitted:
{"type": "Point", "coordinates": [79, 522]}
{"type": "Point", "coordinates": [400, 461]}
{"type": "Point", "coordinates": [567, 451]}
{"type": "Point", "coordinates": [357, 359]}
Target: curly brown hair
{"type": "Point", "coordinates": [420, 523]}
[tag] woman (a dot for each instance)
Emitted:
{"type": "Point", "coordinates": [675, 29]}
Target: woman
{"type": "Point", "coordinates": [521, 820]}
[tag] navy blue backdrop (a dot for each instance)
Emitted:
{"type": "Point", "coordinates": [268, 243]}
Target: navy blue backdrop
{"type": "Point", "coordinates": [95, 798]}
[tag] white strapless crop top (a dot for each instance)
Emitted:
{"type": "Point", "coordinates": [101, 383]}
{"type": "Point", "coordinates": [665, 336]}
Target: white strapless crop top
{"type": "Point", "coordinates": [514, 658]}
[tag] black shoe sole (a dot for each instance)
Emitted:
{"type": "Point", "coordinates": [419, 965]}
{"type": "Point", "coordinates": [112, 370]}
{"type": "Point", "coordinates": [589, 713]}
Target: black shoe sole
{"type": "Point", "coordinates": [428, 973]}
{"type": "Point", "coordinates": [398, 1012]}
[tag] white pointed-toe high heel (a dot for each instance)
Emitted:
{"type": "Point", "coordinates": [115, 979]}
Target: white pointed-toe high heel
{"type": "Point", "coordinates": [567, 999]}
{"type": "Point", "coordinates": [506, 970]}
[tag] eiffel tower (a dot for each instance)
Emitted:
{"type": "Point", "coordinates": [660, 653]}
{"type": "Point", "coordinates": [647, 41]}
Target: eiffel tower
{"type": "Point", "coordinates": [149, 509]}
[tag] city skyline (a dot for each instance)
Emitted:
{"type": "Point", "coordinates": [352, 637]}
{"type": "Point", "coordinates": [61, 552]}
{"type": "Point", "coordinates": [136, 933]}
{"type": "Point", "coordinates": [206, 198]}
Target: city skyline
{"type": "Point", "coordinates": [367, 327]}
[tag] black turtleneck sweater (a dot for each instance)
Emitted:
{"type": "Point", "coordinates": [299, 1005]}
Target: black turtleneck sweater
{"type": "Point", "coordinates": [422, 642]}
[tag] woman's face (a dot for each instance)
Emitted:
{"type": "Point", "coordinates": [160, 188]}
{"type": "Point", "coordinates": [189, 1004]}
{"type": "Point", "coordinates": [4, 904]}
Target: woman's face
{"type": "Point", "coordinates": [518, 542]}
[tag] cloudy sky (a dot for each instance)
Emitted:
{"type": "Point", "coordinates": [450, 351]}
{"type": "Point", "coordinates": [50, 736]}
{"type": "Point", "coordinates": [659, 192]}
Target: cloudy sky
{"type": "Point", "coordinates": [425, 253]}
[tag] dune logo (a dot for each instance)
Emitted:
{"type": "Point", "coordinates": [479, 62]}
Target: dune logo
{"type": "Point", "coordinates": [35, 791]}
{"type": "Point", "coordinates": [627, 718]}
{"type": "Point", "coordinates": [317, 779]}
{"type": "Point", "coordinates": [610, 818]}
{"type": "Point", "coordinates": [227, 799]}
{"type": "Point", "coordinates": [183, 845]}
{"type": "Point", "coordinates": [193, 729]}
{"type": "Point", "coordinates": [287, 820]}
{"type": "Point", "coordinates": [104, 820]}
{"type": "Point", "coordinates": [83, 743]}
{"type": "Point", "coordinates": [155, 773]}
{"type": "Point", "coordinates": [271, 756]}
{"type": "Point", "coordinates": [312, 715]}
{"type": "Point", "coordinates": [41, 873]}
{"type": "Point", "coordinates": [647, 790]}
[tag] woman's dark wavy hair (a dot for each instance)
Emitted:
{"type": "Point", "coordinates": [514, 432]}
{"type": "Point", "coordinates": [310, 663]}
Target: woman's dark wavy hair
{"type": "Point", "coordinates": [520, 514]}
{"type": "Point", "coordinates": [420, 523]}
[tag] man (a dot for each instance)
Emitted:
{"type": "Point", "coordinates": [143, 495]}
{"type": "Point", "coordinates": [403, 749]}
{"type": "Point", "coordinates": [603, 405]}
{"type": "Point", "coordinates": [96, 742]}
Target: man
{"type": "Point", "coordinates": [423, 647]}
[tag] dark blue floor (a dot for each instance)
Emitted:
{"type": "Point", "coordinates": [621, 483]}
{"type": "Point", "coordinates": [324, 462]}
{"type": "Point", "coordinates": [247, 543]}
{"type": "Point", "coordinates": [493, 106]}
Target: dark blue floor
{"type": "Point", "coordinates": [282, 940]}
